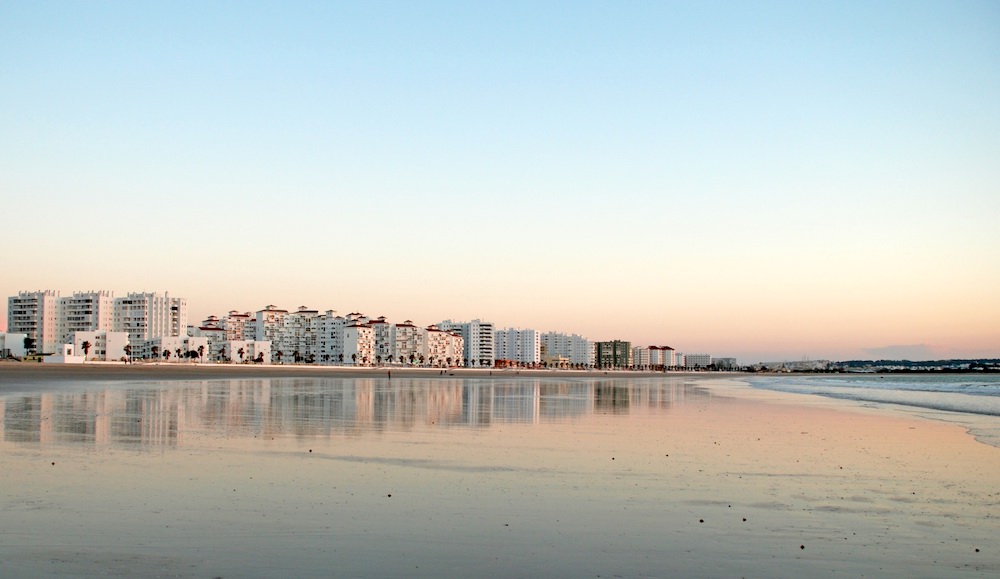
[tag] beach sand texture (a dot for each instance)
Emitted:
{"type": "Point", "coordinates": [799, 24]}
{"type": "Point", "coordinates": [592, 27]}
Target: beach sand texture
{"type": "Point", "coordinates": [661, 476]}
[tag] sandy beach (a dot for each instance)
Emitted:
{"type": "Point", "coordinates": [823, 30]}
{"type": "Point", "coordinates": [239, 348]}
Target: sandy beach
{"type": "Point", "coordinates": [259, 472]}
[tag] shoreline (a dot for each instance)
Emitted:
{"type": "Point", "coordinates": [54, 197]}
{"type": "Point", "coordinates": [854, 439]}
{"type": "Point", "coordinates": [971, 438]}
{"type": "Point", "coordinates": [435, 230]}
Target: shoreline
{"type": "Point", "coordinates": [16, 371]}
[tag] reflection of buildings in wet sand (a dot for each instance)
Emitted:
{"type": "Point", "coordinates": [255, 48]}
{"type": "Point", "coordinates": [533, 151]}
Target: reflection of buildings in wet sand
{"type": "Point", "coordinates": [163, 414]}
{"type": "Point", "coordinates": [99, 417]}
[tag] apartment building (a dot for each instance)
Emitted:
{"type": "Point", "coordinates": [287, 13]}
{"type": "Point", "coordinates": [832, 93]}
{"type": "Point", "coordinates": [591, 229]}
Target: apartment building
{"type": "Point", "coordinates": [613, 354]}
{"type": "Point", "coordinates": [36, 315]}
{"type": "Point", "coordinates": [239, 326]}
{"type": "Point", "coordinates": [12, 345]}
{"type": "Point", "coordinates": [575, 348]}
{"type": "Point", "coordinates": [641, 357]}
{"type": "Point", "coordinates": [268, 323]}
{"type": "Point", "coordinates": [661, 357]}
{"type": "Point", "coordinates": [297, 335]}
{"type": "Point", "coordinates": [85, 312]}
{"type": "Point", "coordinates": [147, 316]}
{"type": "Point", "coordinates": [102, 345]}
{"type": "Point", "coordinates": [478, 339]}
{"type": "Point", "coordinates": [698, 360]}
{"type": "Point", "coordinates": [409, 342]}
{"type": "Point", "coordinates": [173, 349]}
{"type": "Point", "coordinates": [516, 345]}
{"type": "Point", "coordinates": [385, 339]}
{"type": "Point", "coordinates": [51, 320]}
{"type": "Point", "coordinates": [243, 351]}
{"type": "Point", "coordinates": [359, 344]}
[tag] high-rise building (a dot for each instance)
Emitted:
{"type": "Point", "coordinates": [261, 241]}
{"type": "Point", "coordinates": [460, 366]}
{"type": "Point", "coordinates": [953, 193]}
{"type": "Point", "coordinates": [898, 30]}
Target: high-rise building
{"type": "Point", "coordinates": [36, 315]}
{"type": "Point", "coordinates": [268, 324]}
{"type": "Point", "coordinates": [641, 357]}
{"type": "Point", "coordinates": [147, 316]}
{"type": "Point", "coordinates": [478, 338]}
{"type": "Point", "coordinates": [409, 342]}
{"type": "Point", "coordinates": [613, 354]}
{"type": "Point", "coordinates": [516, 345]}
{"type": "Point", "coordinates": [91, 311]}
{"type": "Point", "coordinates": [577, 349]}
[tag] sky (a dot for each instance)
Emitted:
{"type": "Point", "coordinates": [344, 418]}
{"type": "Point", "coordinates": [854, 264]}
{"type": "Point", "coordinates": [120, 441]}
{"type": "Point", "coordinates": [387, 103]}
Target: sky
{"type": "Point", "coordinates": [764, 180]}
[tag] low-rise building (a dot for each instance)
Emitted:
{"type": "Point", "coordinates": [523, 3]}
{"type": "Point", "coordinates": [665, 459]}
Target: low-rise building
{"type": "Point", "coordinates": [101, 345]}
{"type": "Point", "coordinates": [12, 345]}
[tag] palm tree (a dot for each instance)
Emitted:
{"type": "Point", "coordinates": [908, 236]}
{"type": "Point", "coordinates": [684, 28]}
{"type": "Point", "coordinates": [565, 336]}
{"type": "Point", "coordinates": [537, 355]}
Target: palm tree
{"type": "Point", "coordinates": [222, 353]}
{"type": "Point", "coordinates": [86, 345]}
{"type": "Point", "coordinates": [178, 352]}
{"type": "Point", "coordinates": [201, 353]}
{"type": "Point", "coordinates": [242, 353]}
{"type": "Point", "coordinates": [340, 357]}
{"type": "Point", "coordinates": [413, 357]}
{"type": "Point", "coordinates": [128, 353]}
{"type": "Point", "coordinates": [279, 354]}
{"type": "Point", "coordinates": [390, 359]}
{"type": "Point", "coordinates": [296, 356]}
{"type": "Point", "coordinates": [156, 352]}
{"type": "Point", "coordinates": [166, 355]}
{"type": "Point", "coordinates": [378, 360]}
{"type": "Point", "coordinates": [354, 359]}
{"type": "Point", "coordinates": [448, 359]}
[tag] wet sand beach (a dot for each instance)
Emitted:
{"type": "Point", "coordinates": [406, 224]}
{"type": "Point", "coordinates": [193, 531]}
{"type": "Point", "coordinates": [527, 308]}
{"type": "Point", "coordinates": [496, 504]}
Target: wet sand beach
{"type": "Point", "coordinates": [197, 472]}
{"type": "Point", "coordinates": [38, 374]}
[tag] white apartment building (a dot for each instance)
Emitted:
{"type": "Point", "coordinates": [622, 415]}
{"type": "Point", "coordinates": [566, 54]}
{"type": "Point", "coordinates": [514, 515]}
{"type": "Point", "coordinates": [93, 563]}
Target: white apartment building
{"type": "Point", "coordinates": [641, 357]}
{"type": "Point", "coordinates": [173, 349]}
{"type": "Point", "coordinates": [456, 349]}
{"type": "Point", "coordinates": [210, 329]}
{"type": "Point", "coordinates": [85, 312]}
{"type": "Point", "coordinates": [243, 351]}
{"type": "Point", "coordinates": [330, 337]}
{"type": "Point", "coordinates": [12, 345]}
{"type": "Point", "coordinates": [409, 342]}
{"type": "Point", "coordinates": [359, 344]}
{"type": "Point", "coordinates": [51, 320]}
{"type": "Point", "coordinates": [238, 325]}
{"type": "Point", "coordinates": [103, 345]}
{"type": "Point", "coordinates": [147, 316]}
{"type": "Point", "coordinates": [297, 334]}
{"type": "Point", "coordinates": [521, 346]}
{"type": "Point", "coordinates": [698, 360]}
{"type": "Point", "coordinates": [36, 315]}
{"type": "Point", "coordinates": [268, 323]}
{"type": "Point", "coordinates": [443, 348]}
{"type": "Point", "coordinates": [661, 357]}
{"type": "Point", "coordinates": [577, 349]}
{"type": "Point", "coordinates": [385, 339]}
{"type": "Point", "coordinates": [478, 338]}
{"type": "Point", "coordinates": [436, 347]}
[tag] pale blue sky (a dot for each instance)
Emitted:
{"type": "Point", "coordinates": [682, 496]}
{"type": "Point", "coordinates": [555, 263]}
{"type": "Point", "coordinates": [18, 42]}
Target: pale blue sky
{"type": "Point", "coordinates": [766, 180]}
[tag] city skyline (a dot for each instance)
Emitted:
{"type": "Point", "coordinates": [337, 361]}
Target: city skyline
{"type": "Point", "coordinates": [768, 181]}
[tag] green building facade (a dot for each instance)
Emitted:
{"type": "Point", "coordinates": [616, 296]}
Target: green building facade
{"type": "Point", "coordinates": [613, 354]}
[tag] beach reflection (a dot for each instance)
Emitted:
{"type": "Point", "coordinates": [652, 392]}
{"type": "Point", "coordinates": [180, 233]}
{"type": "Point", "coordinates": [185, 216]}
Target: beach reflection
{"type": "Point", "coordinates": [166, 413]}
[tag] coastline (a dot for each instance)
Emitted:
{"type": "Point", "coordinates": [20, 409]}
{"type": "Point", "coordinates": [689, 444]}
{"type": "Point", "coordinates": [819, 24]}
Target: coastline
{"type": "Point", "coordinates": [11, 372]}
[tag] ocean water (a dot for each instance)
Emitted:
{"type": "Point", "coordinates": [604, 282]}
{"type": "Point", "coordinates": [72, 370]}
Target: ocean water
{"type": "Point", "coordinates": [972, 400]}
